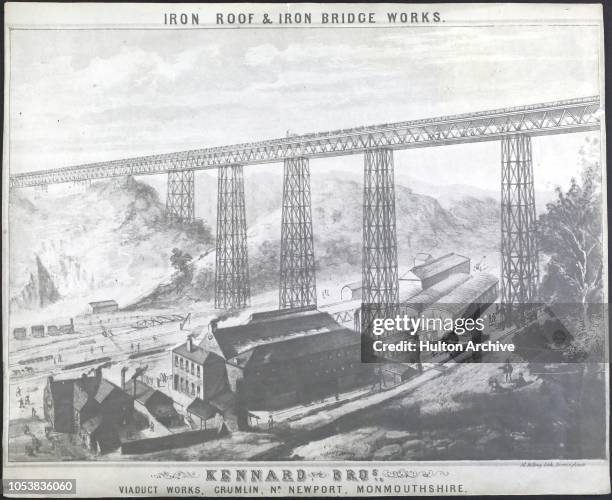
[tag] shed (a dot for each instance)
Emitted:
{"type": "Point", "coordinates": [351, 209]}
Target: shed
{"type": "Point", "coordinates": [351, 291]}
{"type": "Point", "coordinates": [104, 306]}
{"type": "Point", "coordinates": [436, 270]}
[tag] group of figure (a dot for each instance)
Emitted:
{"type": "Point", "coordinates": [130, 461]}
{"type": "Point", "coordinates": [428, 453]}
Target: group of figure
{"type": "Point", "coordinates": [507, 370]}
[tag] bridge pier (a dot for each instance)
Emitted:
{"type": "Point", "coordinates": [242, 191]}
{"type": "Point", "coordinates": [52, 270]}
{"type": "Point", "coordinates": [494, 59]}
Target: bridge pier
{"type": "Point", "coordinates": [297, 287]}
{"type": "Point", "coordinates": [519, 250]}
{"type": "Point", "coordinates": [380, 284]}
{"type": "Point", "coordinates": [232, 289]}
{"type": "Point", "coordinates": [180, 196]}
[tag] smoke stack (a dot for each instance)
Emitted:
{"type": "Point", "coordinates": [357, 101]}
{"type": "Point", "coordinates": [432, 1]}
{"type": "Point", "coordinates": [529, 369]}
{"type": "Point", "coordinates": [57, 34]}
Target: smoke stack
{"type": "Point", "coordinates": [123, 370]}
{"type": "Point", "coordinates": [189, 343]}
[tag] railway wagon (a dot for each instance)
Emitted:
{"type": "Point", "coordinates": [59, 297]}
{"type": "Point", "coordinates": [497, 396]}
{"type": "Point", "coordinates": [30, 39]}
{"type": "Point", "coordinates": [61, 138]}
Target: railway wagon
{"type": "Point", "coordinates": [20, 333]}
{"type": "Point", "coordinates": [38, 331]}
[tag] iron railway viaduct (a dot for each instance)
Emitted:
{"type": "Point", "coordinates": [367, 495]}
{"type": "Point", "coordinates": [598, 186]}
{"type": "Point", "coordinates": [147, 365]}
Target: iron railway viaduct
{"type": "Point", "coordinates": [513, 127]}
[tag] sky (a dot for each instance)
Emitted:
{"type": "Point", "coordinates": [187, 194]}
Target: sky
{"type": "Point", "coordinates": [79, 96]}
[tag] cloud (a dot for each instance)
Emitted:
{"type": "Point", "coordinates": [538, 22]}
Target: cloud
{"type": "Point", "coordinates": [80, 95]}
{"type": "Point", "coordinates": [261, 55]}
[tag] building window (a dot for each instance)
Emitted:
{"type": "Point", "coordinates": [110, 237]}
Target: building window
{"type": "Point", "coordinates": [182, 384]}
{"type": "Point", "coordinates": [176, 382]}
{"type": "Point", "coordinates": [198, 390]}
{"type": "Point", "coordinates": [198, 370]}
{"type": "Point", "coordinates": [192, 368]}
{"type": "Point", "coordinates": [175, 360]}
{"type": "Point", "coordinates": [181, 363]}
{"type": "Point", "coordinates": [192, 388]}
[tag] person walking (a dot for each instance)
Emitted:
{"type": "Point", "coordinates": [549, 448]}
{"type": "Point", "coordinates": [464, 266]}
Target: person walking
{"type": "Point", "coordinates": [508, 370]}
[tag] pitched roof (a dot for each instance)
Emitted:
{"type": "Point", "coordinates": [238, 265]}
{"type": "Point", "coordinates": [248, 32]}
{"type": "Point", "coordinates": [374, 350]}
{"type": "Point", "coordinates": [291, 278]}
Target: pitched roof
{"type": "Point", "coordinates": [202, 409]}
{"type": "Point", "coordinates": [197, 355]}
{"type": "Point", "coordinates": [143, 391]}
{"type": "Point", "coordinates": [258, 317]}
{"type": "Point", "coordinates": [465, 294]}
{"type": "Point", "coordinates": [299, 347]}
{"type": "Point", "coordinates": [234, 340]}
{"type": "Point", "coordinates": [223, 401]}
{"type": "Point", "coordinates": [437, 291]}
{"type": "Point", "coordinates": [439, 265]}
{"type": "Point", "coordinates": [104, 303]}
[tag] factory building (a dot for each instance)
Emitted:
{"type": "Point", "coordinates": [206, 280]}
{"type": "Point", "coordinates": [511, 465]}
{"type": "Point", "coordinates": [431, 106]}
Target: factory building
{"type": "Point", "coordinates": [275, 360]}
{"type": "Point", "coordinates": [89, 407]}
{"type": "Point", "coordinates": [448, 291]}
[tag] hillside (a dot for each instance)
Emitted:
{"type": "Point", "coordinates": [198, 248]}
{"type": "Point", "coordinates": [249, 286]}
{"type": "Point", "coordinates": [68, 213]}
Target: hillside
{"type": "Point", "coordinates": [111, 240]}
{"type": "Point", "coordinates": [469, 226]}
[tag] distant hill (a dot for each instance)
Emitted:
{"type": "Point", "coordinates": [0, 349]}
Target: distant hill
{"type": "Point", "coordinates": [469, 225]}
{"type": "Point", "coordinates": [111, 240]}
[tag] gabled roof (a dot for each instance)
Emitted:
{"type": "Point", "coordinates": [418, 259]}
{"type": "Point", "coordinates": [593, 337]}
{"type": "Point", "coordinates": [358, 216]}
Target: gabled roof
{"type": "Point", "coordinates": [436, 292]}
{"type": "Point", "coordinates": [258, 317]}
{"type": "Point", "coordinates": [102, 303]}
{"type": "Point", "coordinates": [461, 297]}
{"type": "Point", "coordinates": [439, 265]}
{"type": "Point", "coordinates": [285, 351]}
{"type": "Point", "coordinates": [234, 340]}
{"type": "Point", "coordinates": [197, 355]}
{"type": "Point", "coordinates": [223, 401]}
{"type": "Point", "coordinates": [104, 390]}
{"type": "Point", "coordinates": [143, 391]}
{"type": "Point", "coordinates": [202, 409]}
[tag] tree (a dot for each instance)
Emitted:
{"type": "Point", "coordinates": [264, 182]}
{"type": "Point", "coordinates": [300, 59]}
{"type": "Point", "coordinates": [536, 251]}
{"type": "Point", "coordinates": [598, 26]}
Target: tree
{"type": "Point", "coordinates": [181, 262]}
{"type": "Point", "coordinates": [570, 232]}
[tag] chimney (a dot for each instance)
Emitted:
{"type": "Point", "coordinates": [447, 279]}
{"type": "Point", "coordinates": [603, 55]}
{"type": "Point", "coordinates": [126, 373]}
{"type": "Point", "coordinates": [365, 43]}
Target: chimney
{"type": "Point", "coordinates": [189, 343]}
{"type": "Point", "coordinates": [123, 370]}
